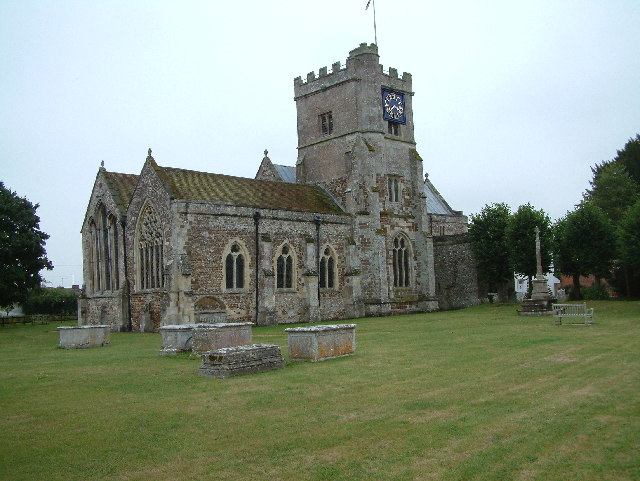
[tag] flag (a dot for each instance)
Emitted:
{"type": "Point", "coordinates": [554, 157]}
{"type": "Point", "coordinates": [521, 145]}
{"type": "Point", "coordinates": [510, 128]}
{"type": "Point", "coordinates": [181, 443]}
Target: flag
{"type": "Point", "coordinates": [367, 7]}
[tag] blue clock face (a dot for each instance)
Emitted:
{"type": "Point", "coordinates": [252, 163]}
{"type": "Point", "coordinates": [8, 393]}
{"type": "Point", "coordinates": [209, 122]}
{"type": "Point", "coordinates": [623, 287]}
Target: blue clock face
{"type": "Point", "coordinates": [393, 106]}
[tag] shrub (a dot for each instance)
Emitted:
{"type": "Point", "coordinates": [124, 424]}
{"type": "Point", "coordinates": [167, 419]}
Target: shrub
{"type": "Point", "coordinates": [593, 293]}
{"type": "Point", "coordinates": [51, 301]}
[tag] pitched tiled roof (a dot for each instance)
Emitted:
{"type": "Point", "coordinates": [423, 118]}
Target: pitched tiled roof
{"type": "Point", "coordinates": [121, 187]}
{"type": "Point", "coordinates": [266, 194]}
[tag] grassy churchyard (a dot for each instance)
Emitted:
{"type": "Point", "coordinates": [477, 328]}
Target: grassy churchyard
{"type": "Point", "coordinates": [475, 394]}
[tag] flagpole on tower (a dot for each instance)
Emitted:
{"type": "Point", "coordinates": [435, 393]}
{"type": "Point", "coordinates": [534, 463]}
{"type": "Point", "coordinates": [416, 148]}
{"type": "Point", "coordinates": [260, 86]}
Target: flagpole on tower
{"type": "Point", "coordinates": [375, 30]}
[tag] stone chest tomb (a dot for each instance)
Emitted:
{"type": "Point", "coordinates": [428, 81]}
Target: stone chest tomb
{"type": "Point", "coordinates": [241, 360]}
{"type": "Point", "coordinates": [204, 337]}
{"type": "Point", "coordinates": [317, 343]}
{"type": "Point", "coordinates": [80, 337]}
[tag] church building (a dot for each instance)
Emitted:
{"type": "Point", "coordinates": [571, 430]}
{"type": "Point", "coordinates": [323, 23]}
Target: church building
{"type": "Point", "coordinates": [354, 229]}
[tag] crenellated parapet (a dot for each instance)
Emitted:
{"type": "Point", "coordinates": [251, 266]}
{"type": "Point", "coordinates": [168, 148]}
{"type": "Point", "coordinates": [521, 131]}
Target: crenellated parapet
{"type": "Point", "coordinates": [363, 62]}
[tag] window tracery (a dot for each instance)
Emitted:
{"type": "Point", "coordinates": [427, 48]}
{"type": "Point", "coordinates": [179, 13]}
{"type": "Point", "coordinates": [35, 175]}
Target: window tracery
{"type": "Point", "coordinates": [235, 267]}
{"type": "Point", "coordinates": [285, 268]}
{"type": "Point", "coordinates": [327, 269]}
{"type": "Point", "coordinates": [401, 262]}
{"type": "Point", "coordinates": [103, 230]}
{"type": "Point", "coordinates": [150, 252]}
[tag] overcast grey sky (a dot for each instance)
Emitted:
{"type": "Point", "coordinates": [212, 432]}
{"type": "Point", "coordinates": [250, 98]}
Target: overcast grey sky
{"type": "Point", "coordinates": [514, 100]}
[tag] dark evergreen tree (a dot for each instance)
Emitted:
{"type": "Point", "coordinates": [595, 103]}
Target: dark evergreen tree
{"type": "Point", "coordinates": [613, 190]}
{"type": "Point", "coordinates": [629, 157]}
{"type": "Point", "coordinates": [629, 237]}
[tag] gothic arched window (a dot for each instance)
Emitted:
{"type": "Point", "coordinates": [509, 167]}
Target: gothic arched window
{"type": "Point", "coordinates": [327, 269]}
{"type": "Point", "coordinates": [234, 264]}
{"type": "Point", "coordinates": [284, 268]}
{"type": "Point", "coordinates": [401, 262]}
{"type": "Point", "coordinates": [150, 255]}
{"type": "Point", "coordinates": [104, 250]}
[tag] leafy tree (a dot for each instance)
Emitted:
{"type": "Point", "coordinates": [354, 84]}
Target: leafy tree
{"type": "Point", "coordinates": [22, 252]}
{"type": "Point", "coordinates": [629, 237]}
{"type": "Point", "coordinates": [521, 240]}
{"type": "Point", "coordinates": [584, 243]}
{"type": "Point", "coordinates": [487, 231]}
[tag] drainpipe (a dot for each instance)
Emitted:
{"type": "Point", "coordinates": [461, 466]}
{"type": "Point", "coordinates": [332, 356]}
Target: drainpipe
{"type": "Point", "coordinates": [318, 222]}
{"type": "Point", "coordinates": [123, 223]}
{"type": "Point", "coordinates": [256, 221]}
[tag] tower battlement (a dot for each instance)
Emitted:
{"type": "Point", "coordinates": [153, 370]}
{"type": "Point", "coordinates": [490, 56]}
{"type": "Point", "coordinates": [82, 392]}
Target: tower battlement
{"type": "Point", "coordinates": [363, 61]}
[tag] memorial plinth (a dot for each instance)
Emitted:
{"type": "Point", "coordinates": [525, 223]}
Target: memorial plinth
{"type": "Point", "coordinates": [540, 302]}
{"type": "Point", "coordinates": [81, 337]}
{"type": "Point", "coordinates": [240, 360]}
{"type": "Point", "coordinates": [317, 343]}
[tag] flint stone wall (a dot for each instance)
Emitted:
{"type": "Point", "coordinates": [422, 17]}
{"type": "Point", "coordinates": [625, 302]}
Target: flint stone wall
{"type": "Point", "coordinates": [240, 360]}
{"type": "Point", "coordinates": [318, 343]}
{"type": "Point", "coordinates": [81, 337]}
{"type": "Point", "coordinates": [456, 273]}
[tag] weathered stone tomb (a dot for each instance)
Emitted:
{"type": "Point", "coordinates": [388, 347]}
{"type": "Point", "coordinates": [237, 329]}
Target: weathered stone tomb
{"type": "Point", "coordinates": [317, 343]}
{"type": "Point", "coordinates": [81, 337]}
{"type": "Point", "coordinates": [200, 338]}
{"type": "Point", "coordinates": [208, 337]}
{"type": "Point", "coordinates": [240, 360]}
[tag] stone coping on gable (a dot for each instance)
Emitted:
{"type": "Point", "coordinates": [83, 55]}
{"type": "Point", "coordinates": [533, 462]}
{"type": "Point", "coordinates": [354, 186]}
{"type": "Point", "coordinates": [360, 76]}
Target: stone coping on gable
{"type": "Point", "coordinates": [329, 327]}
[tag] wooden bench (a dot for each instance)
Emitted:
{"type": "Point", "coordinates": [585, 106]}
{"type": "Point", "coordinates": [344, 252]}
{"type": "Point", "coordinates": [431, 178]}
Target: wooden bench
{"type": "Point", "coordinates": [573, 312]}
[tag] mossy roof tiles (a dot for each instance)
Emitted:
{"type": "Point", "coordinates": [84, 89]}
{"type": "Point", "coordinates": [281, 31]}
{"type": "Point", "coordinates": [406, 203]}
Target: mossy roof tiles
{"type": "Point", "coordinates": [240, 191]}
{"type": "Point", "coordinates": [121, 187]}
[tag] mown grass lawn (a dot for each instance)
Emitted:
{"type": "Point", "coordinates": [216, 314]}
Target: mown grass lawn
{"type": "Point", "coordinates": [475, 394]}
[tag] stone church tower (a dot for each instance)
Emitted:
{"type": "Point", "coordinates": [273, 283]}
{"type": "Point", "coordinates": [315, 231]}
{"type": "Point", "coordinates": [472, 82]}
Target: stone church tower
{"type": "Point", "coordinates": [356, 139]}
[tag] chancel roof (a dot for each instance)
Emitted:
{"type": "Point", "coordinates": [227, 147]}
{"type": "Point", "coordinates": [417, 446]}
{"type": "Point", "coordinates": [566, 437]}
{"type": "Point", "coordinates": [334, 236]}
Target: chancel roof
{"type": "Point", "coordinates": [435, 202]}
{"type": "Point", "coordinates": [240, 191]}
{"type": "Point", "coordinates": [286, 172]}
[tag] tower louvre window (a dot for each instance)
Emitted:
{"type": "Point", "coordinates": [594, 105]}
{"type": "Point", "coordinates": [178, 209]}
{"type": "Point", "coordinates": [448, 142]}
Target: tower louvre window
{"type": "Point", "coordinates": [326, 123]}
{"type": "Point", "coordinates": [393, 128]}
